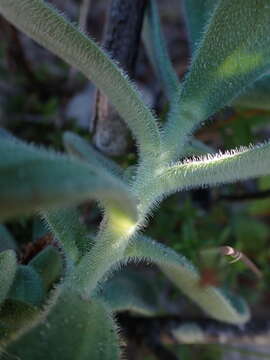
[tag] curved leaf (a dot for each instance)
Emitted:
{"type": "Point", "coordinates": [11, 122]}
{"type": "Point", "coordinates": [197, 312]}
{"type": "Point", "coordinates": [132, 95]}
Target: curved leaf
{"type": "Point", "coordinates": [233, 53]}
{"type": "Point", "coordinates": [74, 329]}
{"type": "Point", "coordinates": [78, 147]}
{"type": "Point", "coordinates": [129, 290]}
{"type": "Point", "coordinates": [211, 170]}
{"type": "Point", "coordinates": [215, 302]}
{"type": "Point", "coordinates": [72, 235]}
{"type": "Point", "coordinates": [32, 179]}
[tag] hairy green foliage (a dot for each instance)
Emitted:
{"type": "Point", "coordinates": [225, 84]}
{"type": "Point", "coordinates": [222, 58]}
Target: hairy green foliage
{"type": "Point", "coordinates": [78, 147]}
{"type": "Point", "coordinates": [257, 96]}
{"type": "Point", "coordinates": [6, 239]}
{"type": "Point", "coordinates": [198, 13]}
{"type": "Point", "coordinates": [211, 170]}
{"type": "Point", "coordinates": [71, 233]}
{"type": "Point", "coordinates": [131, 291]}
{"type": "Point", "coordinates": [61, 297]}
{"type": "Point", "coordinates": [14, 316]}
{"type": "Point", "coordinates": [8, 266]}
{"type": "Point", "coordinates": [74, 329]}
{"type": "Point", "coordinates": [49, 265]}
{"type": "Point", "coordinates": [27, 286]}
{"type": "Point", "coordinates": [233, 53]}
{"type": "Point", "coordinates": [32, 179]}
{"type": "Point", "coordinates": [216, 302]}
{"type": "Point", "coordinates": [156, 47]}
{"type": "Point", "coordinates": [54, 32]}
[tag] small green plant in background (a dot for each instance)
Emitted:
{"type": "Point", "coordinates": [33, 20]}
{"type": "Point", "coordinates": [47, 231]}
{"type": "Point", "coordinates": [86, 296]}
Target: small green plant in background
{"type": "Point", "coordinates": [61, 303]}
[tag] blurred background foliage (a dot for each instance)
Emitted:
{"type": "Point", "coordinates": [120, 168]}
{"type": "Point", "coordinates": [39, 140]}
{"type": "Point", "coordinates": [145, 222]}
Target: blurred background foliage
{"type": "Point", "coordinates": [40, 98]}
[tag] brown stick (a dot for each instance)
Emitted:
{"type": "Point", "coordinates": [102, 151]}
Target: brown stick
{"type": "Point", "coordinates": [121, 40]}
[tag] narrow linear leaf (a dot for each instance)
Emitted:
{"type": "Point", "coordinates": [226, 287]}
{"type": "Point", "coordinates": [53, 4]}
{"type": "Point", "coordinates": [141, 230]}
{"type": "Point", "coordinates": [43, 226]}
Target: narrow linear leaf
{"type": "Point", "coordinates": [216, 302]}
{"type": "Point", "coordinates": [6, 239]}
{"type": "Point", "coordinates": [78, 147]}
{"type": "Point", "coordinates": [197, 15]}
{"type": "Point", "coordinates": [8, 264]}
{"type": "Point", "coordinates": [129, 290]}
{"type": "Point", "coordinates": [233, 53]}
{"type": "Point", "coordinates": [215, 169]}
{"type": "Point", "coordinates": [157, 51]}
{"type": "Point", "coordinates": [74, 329]}
{"type": "Point", "coordinates": [32, 179]}
{"type": "Point", "coordinates": [54, 32]}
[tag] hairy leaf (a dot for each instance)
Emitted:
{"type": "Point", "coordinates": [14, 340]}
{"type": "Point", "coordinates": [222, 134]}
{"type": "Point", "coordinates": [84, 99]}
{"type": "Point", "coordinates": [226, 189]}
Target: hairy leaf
{"type": "Point", "coordinates": [197, 15]}
{"type": "Point", "coordinates": [77, 146]}
{"type": "Point", "coordinates": [8, 264]}
{"type": "Point", "coordinates": [215, 302]}
{"type": "Point", "coordinates": [157, 50]}
{"type": "Point", "coordinates": [32, 179]}
{"type": "Point", "coordinates": [257, 96]}
{"type": "Point", "coordinates": [74, 329]}
{"type": "Point", "coordinates": [27, 286]}
{"type": "Point", "coordinates": [14, 316]}
{"type": "Point", "coordinates": [68, 229]}
{"type": "Point", "coordinates": [129, 290]}
{"type": "Point", "coordinates": [53, 31]}
{"type": "Point", "coordinates": [49, 265]}
{"type": "Point", "coordinates": [233, 53]}
{"type": "Point", "coordinates": [6, 239]}
{"type": "Point", "coordinates": [211, 170]}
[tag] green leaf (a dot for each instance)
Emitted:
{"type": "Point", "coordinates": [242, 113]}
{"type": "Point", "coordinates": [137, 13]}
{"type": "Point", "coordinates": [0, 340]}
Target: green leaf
{"type": "Point", "coordinates": [49, 265]}
{"type": "Point", "coordinates": [130, 290]}
{"type": "Point", "coordinates": [233, 53]}
{"type": "Point", "coordinates": [8, 264]}
{"type": "Point", "coordinates": [74, 329]}
{"type": "Point", "coordinates": [212, 170]}
{"type": "Point", "coordinates": [257, 96]}
{"type": "Point", "coordinates": [157, 51]}
{"type": "Point", "coordinates": [39, 229]}
{"type": "Point", "coordinates": [197, 15]}
{"type": "Point", "coordinates": [52, 30]}
{"type": "Point", "coordinates": [78, 147]}
{"type": "Point", "coordinates": [32, 179]}
{"type": "Point", "coordinates": [6, 239]}
{"type": "Point", "coordinates": [27, 286]}
{"type": "Point", "coordinates": [72, 235]}
{"type": "Point", "coordinates": [215, 302]}
{"type": "Point", "coordinates": [14, 316]}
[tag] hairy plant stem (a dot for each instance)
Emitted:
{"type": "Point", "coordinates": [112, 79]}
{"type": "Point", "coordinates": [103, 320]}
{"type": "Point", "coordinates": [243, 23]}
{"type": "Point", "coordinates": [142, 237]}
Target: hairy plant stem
{"type": "Point", "coordinates": [107, 252]}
